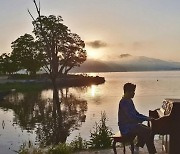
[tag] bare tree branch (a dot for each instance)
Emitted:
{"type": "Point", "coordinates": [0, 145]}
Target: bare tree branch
{"type": "Point", "coordinates": [31, 15]}
{"type": "Point", "coordinates": [37, 9]}
{"type": "Point", "coordinates": [42, 32]}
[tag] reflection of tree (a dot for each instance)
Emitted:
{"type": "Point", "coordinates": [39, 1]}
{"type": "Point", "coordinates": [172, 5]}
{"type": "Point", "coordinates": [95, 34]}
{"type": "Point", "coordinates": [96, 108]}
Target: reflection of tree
{"type": "Point", "coordinates": [24, 106]}
{"type": "Point", "coordinates": [52, 123]}
{"type": "Point", "coordinates": [81, 89]}
{"type": "Point", "coordinates": [63, 120]}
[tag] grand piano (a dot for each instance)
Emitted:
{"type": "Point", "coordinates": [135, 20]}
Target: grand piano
{"type": "Point", "coordinates": [167, 123]}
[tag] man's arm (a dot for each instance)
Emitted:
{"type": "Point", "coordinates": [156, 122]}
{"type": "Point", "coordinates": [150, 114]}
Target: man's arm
{"type": "Point", "coordinates": [132, 113]}
{"type": "Point", "coordinates": [143, 116]}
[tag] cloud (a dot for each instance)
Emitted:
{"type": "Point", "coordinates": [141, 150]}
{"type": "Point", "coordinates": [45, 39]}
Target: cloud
{"type": "Point", "coordinates": [124, 55]}
{"type": "Point", "coordinates": [97, 44]}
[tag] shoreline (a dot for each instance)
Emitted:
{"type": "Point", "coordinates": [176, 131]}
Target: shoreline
{"type": "Point", "coordinates": [158, 145]}
{"type": "Point", "coordinates": [61, 81]}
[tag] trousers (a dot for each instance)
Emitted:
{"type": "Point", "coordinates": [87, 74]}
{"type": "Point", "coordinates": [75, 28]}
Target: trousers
{"type": "Point", "coordinates": [144, 136]}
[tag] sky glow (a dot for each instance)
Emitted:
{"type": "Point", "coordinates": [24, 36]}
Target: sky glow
{"type": "Point", "coordinates": [109, 27]}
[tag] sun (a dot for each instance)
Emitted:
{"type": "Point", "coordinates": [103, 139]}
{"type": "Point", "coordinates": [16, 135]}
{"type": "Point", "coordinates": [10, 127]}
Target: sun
{"type": "Point", "coordinates": [93, 54]}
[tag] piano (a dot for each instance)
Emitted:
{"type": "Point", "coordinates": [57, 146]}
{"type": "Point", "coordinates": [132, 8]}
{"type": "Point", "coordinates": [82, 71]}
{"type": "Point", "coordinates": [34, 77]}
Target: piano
{"type": "Point", "coordinates": [167, 122]}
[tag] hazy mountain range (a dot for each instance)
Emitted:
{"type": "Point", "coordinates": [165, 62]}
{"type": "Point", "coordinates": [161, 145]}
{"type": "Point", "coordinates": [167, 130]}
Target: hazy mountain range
{"type": "Point", "coordinates": [127, 63]}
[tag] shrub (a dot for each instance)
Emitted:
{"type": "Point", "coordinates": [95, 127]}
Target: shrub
{"type": "Point", "coordinates": [78, 143]}
{"type": "Point", "coordinates": [30, 149]}
{"type": "Point", "coordinates": [100, 137]}
{"type": "Point", "coordinates": [61, 148]}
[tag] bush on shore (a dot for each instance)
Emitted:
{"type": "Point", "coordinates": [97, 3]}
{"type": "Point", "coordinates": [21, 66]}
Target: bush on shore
{"type": "Point", "coordinates": [100, 138]}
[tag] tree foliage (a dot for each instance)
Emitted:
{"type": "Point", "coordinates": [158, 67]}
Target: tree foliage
{"type": "Point", "coordinates": [25, 50]}
{"type": "Point", "coordinates": [55, 48]}
{"type": "Point", "coordinates": [8, 64]}
{"type": "Point", "coordinates": [62, 49]}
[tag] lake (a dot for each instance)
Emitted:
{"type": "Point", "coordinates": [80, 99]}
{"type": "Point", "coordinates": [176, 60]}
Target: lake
{"type": "Point", "coordinates": [31, 118]}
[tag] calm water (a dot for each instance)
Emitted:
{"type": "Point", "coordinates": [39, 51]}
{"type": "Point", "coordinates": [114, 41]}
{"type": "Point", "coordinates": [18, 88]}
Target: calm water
{"type": "Point", "coordinates": [32, 117]}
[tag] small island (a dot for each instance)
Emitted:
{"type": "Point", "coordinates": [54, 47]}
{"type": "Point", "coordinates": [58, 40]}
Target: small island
{"type": "Point", "coordinates": [70, 80]}
{"type": "Point", "coordinates": [24, 82]}
{"type": "Point", "coordinates": [79, 80]}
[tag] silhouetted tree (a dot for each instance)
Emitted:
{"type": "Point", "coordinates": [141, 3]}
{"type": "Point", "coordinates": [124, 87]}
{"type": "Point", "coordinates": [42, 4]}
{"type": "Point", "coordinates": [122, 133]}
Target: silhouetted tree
{"type": "Point", "coordinates": [8, 64]}
{"type": "Point", "coordinates": [62, 49]}
{"type": "Point", "coordinates": [25, 50]}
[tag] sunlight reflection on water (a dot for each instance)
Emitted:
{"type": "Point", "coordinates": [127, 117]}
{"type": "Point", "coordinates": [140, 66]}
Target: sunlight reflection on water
{"type": "Point", "coordinates": [93, 90]}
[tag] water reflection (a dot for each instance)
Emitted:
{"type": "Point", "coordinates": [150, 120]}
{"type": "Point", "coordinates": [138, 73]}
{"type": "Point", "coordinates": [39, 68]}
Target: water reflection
{"type": "Point", "coordinates": [93, 90]}
{"type": "Point", "coordinates": [52, 120]}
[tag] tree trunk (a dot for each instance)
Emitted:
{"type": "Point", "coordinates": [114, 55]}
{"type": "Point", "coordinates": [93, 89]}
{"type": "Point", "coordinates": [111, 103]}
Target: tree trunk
{"type": "Point", "coordinates": [61, 133]}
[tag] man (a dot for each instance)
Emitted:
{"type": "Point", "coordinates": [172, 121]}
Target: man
{"type": "Point", "coordinates": [130, 121]}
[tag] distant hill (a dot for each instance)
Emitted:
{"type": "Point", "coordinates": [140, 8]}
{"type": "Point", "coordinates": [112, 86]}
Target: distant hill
{"type": "Point", "coordinates": [127, 63]}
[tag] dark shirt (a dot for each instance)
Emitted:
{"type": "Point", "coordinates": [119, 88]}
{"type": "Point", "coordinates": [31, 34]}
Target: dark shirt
{"type": "Point", "coordinates": [128, 117]}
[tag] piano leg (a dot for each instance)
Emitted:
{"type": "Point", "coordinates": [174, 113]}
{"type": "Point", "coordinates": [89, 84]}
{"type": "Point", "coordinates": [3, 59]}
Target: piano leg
{"type": "Point", "coordinates": [163, 146]}
{"type": "Point", "coordinates": [166, 144]}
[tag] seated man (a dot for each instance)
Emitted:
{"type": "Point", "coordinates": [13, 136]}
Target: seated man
{"type": "Point", "coordinates": [130, 121]}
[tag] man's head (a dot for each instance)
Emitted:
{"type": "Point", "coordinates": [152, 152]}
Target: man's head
{"type": "Point", "coordinates": [129, 90]}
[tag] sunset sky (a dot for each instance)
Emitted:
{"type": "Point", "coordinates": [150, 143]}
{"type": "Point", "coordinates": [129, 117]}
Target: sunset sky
{"type": "Point", "coordinates": [109, 27]}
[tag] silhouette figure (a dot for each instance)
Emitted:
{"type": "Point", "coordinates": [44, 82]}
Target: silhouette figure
{"type": "Point", "coordinates": [130, 121]}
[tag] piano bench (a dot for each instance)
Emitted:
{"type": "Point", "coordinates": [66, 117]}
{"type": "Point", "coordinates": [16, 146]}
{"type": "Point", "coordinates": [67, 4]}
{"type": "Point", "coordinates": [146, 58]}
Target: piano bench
{"type": "Point", "coordinates": [124, 140]}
